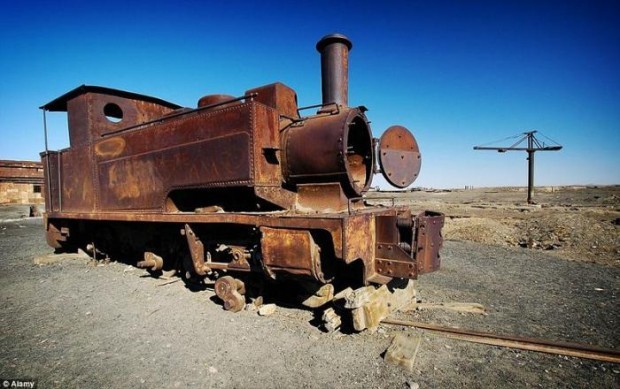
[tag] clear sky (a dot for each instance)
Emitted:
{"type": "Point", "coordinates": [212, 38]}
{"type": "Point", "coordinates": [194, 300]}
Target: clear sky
{"type": "Point", "coordinates": [456, 73]}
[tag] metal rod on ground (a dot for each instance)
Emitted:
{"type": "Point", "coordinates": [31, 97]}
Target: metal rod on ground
{"type": "Point", "coordinates": [530, 344]}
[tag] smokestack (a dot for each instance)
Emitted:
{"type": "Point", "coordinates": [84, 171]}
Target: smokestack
{"type": "Point", "coordinates": [334, 51]}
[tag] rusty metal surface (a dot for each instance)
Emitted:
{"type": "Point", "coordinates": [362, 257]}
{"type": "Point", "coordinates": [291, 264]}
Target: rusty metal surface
{"type": "Point", "coordinates": [399, 156]}
{"type": "Point", "coordinates": [231, 291]}
{"type": "Point", "coordinates": [517, 342]}
{"type": "Point", "coordinates": [92, 115]}
{"type": "Point", "coordinates": [334, 51]}
{"type": "Point", "coordinates": [400, 269]}
{"type": "Point", "coordinates": [314, 198]}
{"type": "Point", "coordinates": [198, 151]}
{"type": "Point", "coordinates": [151, 261]}
{"type": "Point", "coordinates": [277, 96]}
{"type": "Point", "coordinates": [217, 101]}
{"type": "Point", "coordinates": [291, 250]}
{"type": "Point", "coordinates": [429, 241]}
{"type": "Point", "coordinates": [330, 148]}
{"type": "Point", "coordinates": [197, 251]}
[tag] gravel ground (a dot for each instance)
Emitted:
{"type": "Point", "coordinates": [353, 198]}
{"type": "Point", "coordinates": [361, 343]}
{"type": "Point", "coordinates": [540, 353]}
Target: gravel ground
{"type": "Point", "coordinates": [71, 324]}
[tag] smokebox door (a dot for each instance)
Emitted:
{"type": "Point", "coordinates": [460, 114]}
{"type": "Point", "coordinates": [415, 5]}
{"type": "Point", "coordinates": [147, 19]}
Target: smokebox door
{"type": "Point", "coordinates": [399, 156]}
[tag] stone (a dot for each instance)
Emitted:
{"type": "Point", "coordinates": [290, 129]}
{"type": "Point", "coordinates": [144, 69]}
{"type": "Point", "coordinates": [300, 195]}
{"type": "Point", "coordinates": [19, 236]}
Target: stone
{"type": "Point", "coordinates": [320, 297]}
{"type": "Point", "coordinates": [267, 309]}
{"type": "Point", "coordinates": [370, 306]}
{"type": "Point", "coordinates": [402, 351]}
{"type": "Point", "coordinates": [331, 320]}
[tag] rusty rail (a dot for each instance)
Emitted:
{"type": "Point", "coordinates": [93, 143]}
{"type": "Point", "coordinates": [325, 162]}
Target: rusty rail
{"type": "Point", "coordinates": [517, 342]}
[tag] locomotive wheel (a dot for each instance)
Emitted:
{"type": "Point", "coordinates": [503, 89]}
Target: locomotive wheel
{"type": "Point", "coordinates": [230, 291]}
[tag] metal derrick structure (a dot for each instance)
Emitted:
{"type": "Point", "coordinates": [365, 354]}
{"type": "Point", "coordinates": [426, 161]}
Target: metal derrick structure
{"type": "Point", "coordinates": [533, 145]}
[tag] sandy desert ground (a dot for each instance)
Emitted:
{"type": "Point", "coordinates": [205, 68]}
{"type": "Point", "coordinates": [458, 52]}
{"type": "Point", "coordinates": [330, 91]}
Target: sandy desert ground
{"type": "Point", "coordinates": [550, 271]}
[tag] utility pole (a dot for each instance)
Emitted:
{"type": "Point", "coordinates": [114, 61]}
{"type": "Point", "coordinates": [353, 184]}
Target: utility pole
{"type": "Point", "coordinates": [533, 145]}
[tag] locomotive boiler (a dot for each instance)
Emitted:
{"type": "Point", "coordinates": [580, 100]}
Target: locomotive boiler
{"type": "Point", "coordinates": [238, 188]}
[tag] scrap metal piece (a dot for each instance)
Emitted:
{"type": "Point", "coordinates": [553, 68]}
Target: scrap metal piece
{"type": "Point", "coordinates": [517, 342]}
{"type": "Point", "coordinates": [399, 156]}
{"type": "Point", "coordinates": [230, 290]}
{"type": "Point", "coordinates": [240, 256]}
{"type": "Point", "coordinates": [197, 251]}
{"type": "Point", "coordinates": [429, 241]}
{"type": "Point", "coordinates": [151, 261]}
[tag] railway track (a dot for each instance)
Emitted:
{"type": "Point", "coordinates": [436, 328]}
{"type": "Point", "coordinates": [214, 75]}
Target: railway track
{"type": "Point", "coordinates": [516, 342]}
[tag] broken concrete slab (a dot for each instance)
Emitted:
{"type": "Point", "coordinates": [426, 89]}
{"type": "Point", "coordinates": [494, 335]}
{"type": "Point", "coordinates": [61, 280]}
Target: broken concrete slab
{"type": "Point", "coordinates": [403, 351]}
{"type": "Point", "coordinates": [370, 306]}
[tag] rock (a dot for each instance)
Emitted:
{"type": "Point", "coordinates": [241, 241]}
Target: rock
{"type": "Point", "coordinates": [370, 306]}
{"type": "Point", "coordinates": [358, 297]}
{"type": "Point", "coordinates": [320, 297]}
{"type": "Point", "coordinates": [331, 320]}
{"type": "Point", "coordinates": [402, 351]}
{"type": "Point", "coordinates": [343, 293]}
{"type": "Point", "coordinates": [267, 309]}
{"type": "Point", "coordinates": [34, 211]}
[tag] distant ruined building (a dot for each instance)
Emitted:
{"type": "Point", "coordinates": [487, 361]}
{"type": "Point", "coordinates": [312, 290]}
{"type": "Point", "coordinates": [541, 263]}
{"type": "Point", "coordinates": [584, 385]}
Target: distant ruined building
{"type": "Point", "coordinates": [21, 182]}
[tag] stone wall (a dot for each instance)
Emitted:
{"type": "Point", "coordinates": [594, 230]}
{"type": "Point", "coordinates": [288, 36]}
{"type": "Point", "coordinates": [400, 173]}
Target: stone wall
{"type": "Point", "coordinates": [11, 193]}
{"type": "Point", "coordinates": [21, 182]}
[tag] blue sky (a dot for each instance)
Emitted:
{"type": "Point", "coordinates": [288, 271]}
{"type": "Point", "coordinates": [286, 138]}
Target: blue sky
{"type": "Point", "coordinates": [456, 73]}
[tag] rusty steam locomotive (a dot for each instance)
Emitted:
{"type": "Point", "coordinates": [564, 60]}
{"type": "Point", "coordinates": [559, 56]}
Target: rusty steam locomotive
{"type": "Point", "coordinates": [238, 187]}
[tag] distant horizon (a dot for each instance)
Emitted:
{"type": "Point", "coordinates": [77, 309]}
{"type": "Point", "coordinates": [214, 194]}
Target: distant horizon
{"type": "Point", "coordinates": [413, 187]}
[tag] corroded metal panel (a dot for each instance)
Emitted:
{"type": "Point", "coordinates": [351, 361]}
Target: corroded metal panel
{"type": "Point", "coordinates": [429, 241]}
{"type": "Point", "coordinates": [51, 162]}
{"type": "Point", "coordinates": [334, 147]}
{"type": "Point", "coordinates": [293, 251]}
{"type": "Point", "coordinates": [266, 145]}
{"type": "Point", "coordinates": [192, 127]}
{"type": "Point", "coordinates": [359, 237]}
{"type": "Point", "coordinates": [138, 168]}
{"type": "Point", "coordinates": [76, 176]}
{"type": "Point", "coordinates": [92, 115]}
{"type": "Point", "coordinates": [140, 182]}
{"type": "Point", "coordinates": [399, 156]}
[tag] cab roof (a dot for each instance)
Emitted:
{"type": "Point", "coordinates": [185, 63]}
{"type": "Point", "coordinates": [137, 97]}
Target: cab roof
{"type": "Point", "coordinates": [59, 104]}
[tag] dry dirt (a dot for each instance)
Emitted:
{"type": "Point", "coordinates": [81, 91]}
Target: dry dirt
{"type": "Point", "coordinates": [575, 223]}
{"type": "Point", "coordinates": [72, 324]}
